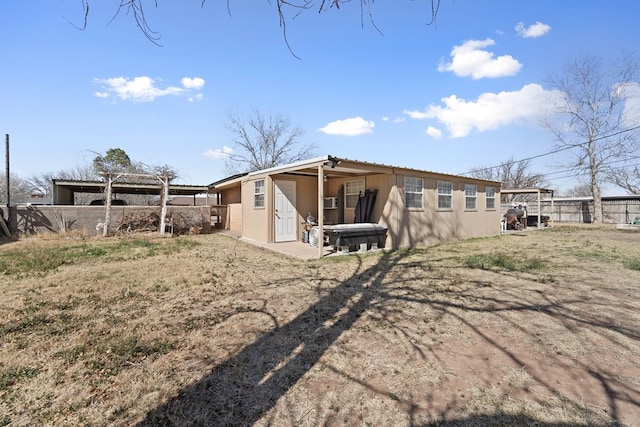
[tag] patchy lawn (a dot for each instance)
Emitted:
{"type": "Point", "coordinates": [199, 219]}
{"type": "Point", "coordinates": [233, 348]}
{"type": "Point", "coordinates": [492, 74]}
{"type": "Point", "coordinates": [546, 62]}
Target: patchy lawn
{"type": "Point", "coordinates": [535, 328]}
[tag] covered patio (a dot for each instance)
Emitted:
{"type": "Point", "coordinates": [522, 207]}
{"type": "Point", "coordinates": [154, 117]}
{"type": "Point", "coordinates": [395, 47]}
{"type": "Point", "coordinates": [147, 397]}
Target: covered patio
{"type": "Point", "coordinates": [538, 192]}
{"type": "Point", "coordinates": [322, 170]}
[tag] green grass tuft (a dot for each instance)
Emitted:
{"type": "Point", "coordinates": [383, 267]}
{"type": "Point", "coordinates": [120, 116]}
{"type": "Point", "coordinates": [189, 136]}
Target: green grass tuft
{"type": "Point", "coordinates": [633, 264]}
{"type": "Point", "coordinates": [43, 260]}
{"type": "Point", "coordinates": [504, 262]}
{"type": "Point", "coordinates": [12, 375]}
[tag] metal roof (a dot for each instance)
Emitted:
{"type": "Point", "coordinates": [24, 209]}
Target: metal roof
{"type": "Point", "coordinates": [128, 187]}
{"type": "Point", "coordinates": [335, 167]}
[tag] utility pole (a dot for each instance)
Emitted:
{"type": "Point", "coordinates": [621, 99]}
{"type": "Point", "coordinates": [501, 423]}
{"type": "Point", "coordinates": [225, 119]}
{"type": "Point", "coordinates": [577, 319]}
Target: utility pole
{"type": "Point", "coordinates": [7, 170]}
{"type": "Point", "coordinates": [3, 225]}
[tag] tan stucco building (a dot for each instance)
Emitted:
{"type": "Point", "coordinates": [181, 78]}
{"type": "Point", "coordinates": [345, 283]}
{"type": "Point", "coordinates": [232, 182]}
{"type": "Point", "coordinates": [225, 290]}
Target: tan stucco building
{"type": "Point", "coordinates": [417, 207]}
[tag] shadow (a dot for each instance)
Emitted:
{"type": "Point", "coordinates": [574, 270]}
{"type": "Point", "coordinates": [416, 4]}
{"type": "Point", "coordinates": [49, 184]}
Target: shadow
{"type": "Point", "coordinates": [5, 232]}
{"type": "Point", "coordinates": [31, 221]}
{"type": "Point", "coordinates": [407, 229]}
{"type": "Point", "coordinates": [242, 389]}
{"type": "Point", "coordinates": [504, 420]}
{"type": "Point", "coordinates": [586, 212]}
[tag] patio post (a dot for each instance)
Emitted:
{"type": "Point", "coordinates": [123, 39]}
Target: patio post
{"type": "Point", "coordinates": [320, 214]}
{"type": "Point", "coordinates": [539, 211]}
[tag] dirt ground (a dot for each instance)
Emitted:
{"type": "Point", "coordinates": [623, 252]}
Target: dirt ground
{"type": "Point", "coordinates": [533, 328]}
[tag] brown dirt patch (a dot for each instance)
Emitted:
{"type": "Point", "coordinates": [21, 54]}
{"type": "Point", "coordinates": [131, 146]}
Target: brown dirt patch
{"type": "Point", "coordinates": [535, 328]}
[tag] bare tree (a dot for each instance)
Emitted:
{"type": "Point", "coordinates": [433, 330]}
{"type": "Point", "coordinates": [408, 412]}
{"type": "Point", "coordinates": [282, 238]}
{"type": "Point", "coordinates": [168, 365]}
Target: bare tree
{"type": "Point", "coordinates": [627, 178]}
{"type": "Point", "coordinates": [19, 188]}
{"type": "Point", "coordinates": [512, 174]}
{"type": "Point", "coordinates": [591, 119]}
{"type": "Point", "coordinates": [43, 183]}
{"type": "Point", "coordinates": [264, 142]}
{"type": "Point", "coordinates": [580, 190]}
{"type": "Point", "coordinates": [286, 9]}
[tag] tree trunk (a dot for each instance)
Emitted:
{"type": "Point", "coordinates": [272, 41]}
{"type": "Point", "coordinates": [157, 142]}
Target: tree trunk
{"type": "Point", "coordinates": [595, 186]}
{"type": "Point", "coordinates": [107, 207]}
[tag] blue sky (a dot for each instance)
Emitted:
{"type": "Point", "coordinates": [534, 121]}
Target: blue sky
{"type": "Point", "coordinates": [450, 97]}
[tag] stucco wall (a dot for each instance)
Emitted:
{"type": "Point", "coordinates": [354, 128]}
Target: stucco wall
{"type": "Point", "coordinates": [230, 195]}
{"type": "Point", "coordinates": [430, 225]}
{"type": "Point", "coordinates": [415, 227]}
{"type": "Point", "coordinates": [407, 227]}
{"type": "Point", "coordinates": [255, 220]}
{"type": "Point", "coordinates": [382, 183]}
{"type": "Point", "coordinates": [306, 199]}
{"type": "Point", "coordinates": [234, 217]}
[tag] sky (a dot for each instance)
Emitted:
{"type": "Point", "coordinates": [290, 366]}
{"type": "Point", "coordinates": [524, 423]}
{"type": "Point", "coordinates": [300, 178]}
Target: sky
{"type": "Point", "coordinates": [464, 93]}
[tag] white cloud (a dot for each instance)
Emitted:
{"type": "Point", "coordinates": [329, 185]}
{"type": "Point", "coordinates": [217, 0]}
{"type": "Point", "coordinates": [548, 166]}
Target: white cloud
{"type": "Point", "coordinates": [349, 127]}
{"type": "Point", "coordinates": [535, 30]}
{"type": "Point", "coordinates": [192, 82]}
{"type": "Point", "coordinates": [434, 132]}
{"type": "Point", "coordinates": [470, 59]}
{"type": "Point", "coordinates": [489, 111]}
{"type": "Point", "coordinates": [218, 153]}
{"type": "Point", "coordinates": [632, 104]}
{"type": "Point", "coordinates": [396, 120]}
{"type": "Point", "coordinates": [143, 88]}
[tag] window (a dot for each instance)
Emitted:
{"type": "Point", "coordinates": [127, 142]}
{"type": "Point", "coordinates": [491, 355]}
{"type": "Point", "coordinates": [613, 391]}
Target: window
{"type": "Point", "coordinates": [470, 196]}
{"type": "Point", "coordinates": [490, 194]}
{"type": "Point", "coordinates": [258, 194]}
{"type": "Point", "coordinates": [413, 193]}
{"type": "Point", "coordinates": [445, 195]}
{"type": "Point", "coordinates": [352, 192]}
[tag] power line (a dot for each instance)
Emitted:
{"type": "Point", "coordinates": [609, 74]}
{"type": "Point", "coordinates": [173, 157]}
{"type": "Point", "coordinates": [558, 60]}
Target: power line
{"type": "Point", "coordinates": [557, 150]}
{"type": "Point", "coordinates": [574, 174]}
{"type": "Point", "coordinates": [603, 164]}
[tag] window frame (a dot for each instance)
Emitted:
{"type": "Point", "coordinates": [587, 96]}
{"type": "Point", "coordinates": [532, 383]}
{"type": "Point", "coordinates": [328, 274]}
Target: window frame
{"type": "Point", "coordinates": [361, 188]}
{"type": "Point", "coordinates": [418, 182]}
{"type": "Point", "coordinates": [491, 198]}
{"type": "Point", "coordinates": [444, 196]}
{"type": "Point", "coordinates": [258, 196]}
{"type": "Point", "coordinates": [470, 197]}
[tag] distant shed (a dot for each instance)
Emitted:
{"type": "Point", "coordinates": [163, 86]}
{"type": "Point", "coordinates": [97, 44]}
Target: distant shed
{"type": "Point", "coordinates": [537, 208]}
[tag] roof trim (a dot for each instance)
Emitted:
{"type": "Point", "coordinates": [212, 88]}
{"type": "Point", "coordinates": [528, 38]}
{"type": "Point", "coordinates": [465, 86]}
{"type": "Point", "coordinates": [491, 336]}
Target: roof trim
{"type": "Point", "coordinates": [292, 166]}
{"type": "Point", "coordinates": [227, 179]}
{"type": "Point", "coordinates": [603, 198]}
{"type": "Point", "coordinates": [317, 161]}
{"type": "Point", "coordinates": [526, 190]}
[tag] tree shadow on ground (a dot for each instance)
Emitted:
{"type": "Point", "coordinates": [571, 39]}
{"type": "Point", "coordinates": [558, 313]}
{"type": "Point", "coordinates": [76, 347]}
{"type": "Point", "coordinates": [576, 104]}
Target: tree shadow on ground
{"type": "Point", "coordinates": [242, 389]}
{"type": "Point", "coordinates": [501, 420]}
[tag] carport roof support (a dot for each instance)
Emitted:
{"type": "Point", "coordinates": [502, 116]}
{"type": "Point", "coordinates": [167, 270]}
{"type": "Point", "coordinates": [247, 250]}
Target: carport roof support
{"type": "Point", "coordinates": [539, 192]}
{"type": "Point", "coordinates": [63, 187]}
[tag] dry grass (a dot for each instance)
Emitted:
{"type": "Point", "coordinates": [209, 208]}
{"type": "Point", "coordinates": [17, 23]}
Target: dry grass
{"type": "Point", "coordinates": [536, 328]}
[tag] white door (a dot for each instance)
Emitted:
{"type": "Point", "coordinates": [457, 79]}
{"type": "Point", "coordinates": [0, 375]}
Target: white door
{"type": "Point", "coordinates": [285, 214]}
